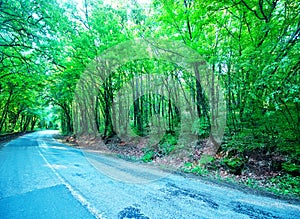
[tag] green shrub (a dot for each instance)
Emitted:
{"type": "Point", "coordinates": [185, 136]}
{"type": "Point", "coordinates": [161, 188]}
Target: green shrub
{"type": "Point", "coordinates": [235, 164]}
{"type": "Point", "coordinates": [167, 144]}
{"type": "Point", "coordinates": [201, 127]}
{"type": "Point", "coordinates": [197, 169]}
{"type": "Point", "coordinates": [286, 184]}
{"type": "Point", "coordinates": [148, 156]}
{"type": "Point", "coordinates": [200, 170]}
{"type": "Point", "coordinates": [291, 168]}
{"type": "Point", "coordinates": [206, 159]}
{"type": "Point", "coordinates": [169, 139]}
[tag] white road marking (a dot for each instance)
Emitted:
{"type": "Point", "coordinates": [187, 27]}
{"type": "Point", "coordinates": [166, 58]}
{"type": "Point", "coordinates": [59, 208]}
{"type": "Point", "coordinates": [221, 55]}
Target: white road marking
{"type": "Point", "coordinates": [74, 193]}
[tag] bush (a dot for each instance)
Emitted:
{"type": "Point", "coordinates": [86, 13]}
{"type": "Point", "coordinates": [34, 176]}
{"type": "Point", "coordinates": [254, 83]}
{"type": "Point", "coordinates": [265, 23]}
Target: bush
{"type": "Point", "coordinates": [200, 170]}
{"type": "Point", "coordinates": [201, 127]}
{"type": "Point", "coordinates": [291, 168]}
{"type": "Point", "coordinates": [286, 184]}
{"type": "Point", "coordinates": [206, 159]}
{"type": "Point", "coordinates": [148, 156]}
{"type": "Point", "coordinates": [234, 164]}
{"type": "Point", "coordinates": [167, 144]}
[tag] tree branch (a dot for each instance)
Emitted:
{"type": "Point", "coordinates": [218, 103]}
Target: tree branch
{"type": "Point", "coordinates": [253, 11]}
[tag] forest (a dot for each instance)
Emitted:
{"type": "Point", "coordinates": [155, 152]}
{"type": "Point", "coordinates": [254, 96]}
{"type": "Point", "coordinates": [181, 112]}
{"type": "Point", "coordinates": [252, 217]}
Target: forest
{"type": "Point", "coordinates": [214, 82]}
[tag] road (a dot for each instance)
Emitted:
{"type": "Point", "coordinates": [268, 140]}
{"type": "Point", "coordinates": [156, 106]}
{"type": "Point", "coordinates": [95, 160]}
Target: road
{"type": "Point", "coordinates": [41, 178]}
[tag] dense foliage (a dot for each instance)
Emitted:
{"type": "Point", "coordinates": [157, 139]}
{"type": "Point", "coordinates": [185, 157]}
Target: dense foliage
{"type": "Point", "coordinates": [251, 47]}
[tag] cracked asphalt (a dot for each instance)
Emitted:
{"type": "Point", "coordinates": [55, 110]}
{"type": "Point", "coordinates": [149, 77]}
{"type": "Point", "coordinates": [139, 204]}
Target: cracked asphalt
{"type": "Point", "coordinates": [42, 178]}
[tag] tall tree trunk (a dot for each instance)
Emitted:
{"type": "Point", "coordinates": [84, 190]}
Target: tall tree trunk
{"type": "Point", "coordinates": [108, 100]}
{"type": "Point", "coordinates": [202, 106]}
{"type": "Point", "coordinates": [5, 110]}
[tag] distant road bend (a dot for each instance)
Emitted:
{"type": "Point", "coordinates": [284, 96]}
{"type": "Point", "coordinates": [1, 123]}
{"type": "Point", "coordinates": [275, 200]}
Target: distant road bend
{"type": "Point", "coordinates": [41, 178]}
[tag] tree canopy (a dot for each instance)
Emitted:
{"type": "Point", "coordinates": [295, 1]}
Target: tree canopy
{"type": "Point", "coordinates": [250, 48]}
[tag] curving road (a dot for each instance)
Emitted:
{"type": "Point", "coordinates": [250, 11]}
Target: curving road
{"type": "Point", "coordinates": [41, 178]}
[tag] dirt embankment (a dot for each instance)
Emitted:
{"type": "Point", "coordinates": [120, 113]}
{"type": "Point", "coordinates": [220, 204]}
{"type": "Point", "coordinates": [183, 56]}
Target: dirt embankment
{"type": "Point", "coordinates": [256, 171]}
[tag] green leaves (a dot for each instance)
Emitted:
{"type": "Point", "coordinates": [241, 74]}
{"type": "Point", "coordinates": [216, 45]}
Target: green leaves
{"type": "Point", "coordinates": [252, 49]}
{"type": "Point", "coordinates": [27, 53]}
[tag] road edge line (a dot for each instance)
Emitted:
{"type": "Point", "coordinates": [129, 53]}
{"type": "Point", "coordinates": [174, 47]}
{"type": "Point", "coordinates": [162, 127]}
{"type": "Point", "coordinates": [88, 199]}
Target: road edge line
{"type": "Point", "coordinates": [74, 193]}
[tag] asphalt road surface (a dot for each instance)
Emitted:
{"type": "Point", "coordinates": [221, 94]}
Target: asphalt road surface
{"type": "Point", "coordinates": [41, 178]}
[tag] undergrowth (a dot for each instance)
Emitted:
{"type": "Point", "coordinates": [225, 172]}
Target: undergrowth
{"type": "Point", "coordinates": [280, 185]}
